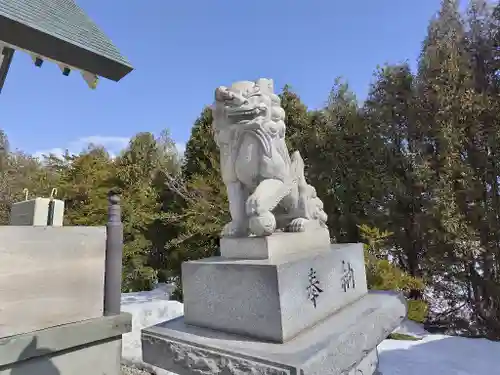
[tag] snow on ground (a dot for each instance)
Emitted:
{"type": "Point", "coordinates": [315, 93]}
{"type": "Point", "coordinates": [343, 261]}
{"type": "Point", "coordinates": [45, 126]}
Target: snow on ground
{"type": "Point", "coordinates": [439, 355]}
{"type": "Point", "coordinates": [147, 309]}
{"type": "Point", "coordinates": [432, 355]}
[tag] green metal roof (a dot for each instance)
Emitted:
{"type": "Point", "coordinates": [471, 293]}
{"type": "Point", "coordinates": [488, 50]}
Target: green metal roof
{"type": "Point", "coordinates": [60, 30]}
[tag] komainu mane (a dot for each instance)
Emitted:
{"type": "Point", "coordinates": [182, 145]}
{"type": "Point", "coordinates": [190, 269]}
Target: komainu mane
{"type": "Point", "coordinates": [266, 187]}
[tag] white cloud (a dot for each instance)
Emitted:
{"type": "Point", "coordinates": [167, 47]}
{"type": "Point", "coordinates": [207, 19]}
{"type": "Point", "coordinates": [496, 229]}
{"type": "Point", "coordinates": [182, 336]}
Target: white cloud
{"type": "Point", "coordinates": [118, 143]}
{"type": "Point", "coordinates": [112, 144]}
{"type": "Point", "coordinates": [53, 151]}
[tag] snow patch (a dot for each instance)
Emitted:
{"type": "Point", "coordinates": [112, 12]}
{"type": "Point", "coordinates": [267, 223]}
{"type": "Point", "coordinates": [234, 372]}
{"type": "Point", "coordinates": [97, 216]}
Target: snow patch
{"type": "Point", "coordinates": [432, 355]}
{"type": "Point", "coordinates": [147, 309]}
{"type": "Point", "coordinates": [439, 355]}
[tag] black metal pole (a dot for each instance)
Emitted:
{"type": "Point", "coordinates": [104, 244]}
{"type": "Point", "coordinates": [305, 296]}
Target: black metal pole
{"type": "Point", "coordinates": [114, 253]}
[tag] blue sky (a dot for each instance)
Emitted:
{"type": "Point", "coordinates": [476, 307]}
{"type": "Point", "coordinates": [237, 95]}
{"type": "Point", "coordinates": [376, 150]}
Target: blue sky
{"type": "Point", "coordinates": [182, 50]}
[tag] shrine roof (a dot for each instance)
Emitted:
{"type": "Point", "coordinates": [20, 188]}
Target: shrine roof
{"type": "Point", "coordinates": [60, 30]}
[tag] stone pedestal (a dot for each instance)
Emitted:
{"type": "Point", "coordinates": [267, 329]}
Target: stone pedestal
{"type": "Point", "coordinates": [276, 246]}
{"type": "Point", "coordinates": [272, 299]}
{"type": "Point", "coordinates": [282, 311]}
{"type": "Point", "coordinates": [344, 343]}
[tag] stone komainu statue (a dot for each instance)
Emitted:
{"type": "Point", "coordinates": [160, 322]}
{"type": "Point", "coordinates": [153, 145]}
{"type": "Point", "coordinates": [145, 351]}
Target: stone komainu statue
{"type": "Point", "coordinates": [266, 187]}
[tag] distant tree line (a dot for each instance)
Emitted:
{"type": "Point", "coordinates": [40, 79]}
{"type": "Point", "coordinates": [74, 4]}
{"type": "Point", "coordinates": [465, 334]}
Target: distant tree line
{"type": "Point", "coordinates": [413, 172]}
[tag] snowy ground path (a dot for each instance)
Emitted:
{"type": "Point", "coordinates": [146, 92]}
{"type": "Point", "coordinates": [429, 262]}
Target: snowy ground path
{"type": "Point", "coordinates": [433, 355]}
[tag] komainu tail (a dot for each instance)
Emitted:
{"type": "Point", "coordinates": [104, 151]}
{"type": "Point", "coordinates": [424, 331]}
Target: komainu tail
{"type": "Point", "coordinates": [297, 169]}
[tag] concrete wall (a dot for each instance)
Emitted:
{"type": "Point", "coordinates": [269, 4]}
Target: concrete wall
{"type": "Point", "coordinates": [50, 276]}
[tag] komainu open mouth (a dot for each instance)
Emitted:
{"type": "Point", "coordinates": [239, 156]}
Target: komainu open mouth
{"type": "Point", "coordinates": [240, 114]}
{"type": "Point", "coordinates": [244, 113]}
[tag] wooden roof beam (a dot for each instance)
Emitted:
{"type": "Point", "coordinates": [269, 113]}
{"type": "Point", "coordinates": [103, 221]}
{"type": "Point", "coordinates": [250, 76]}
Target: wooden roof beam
{"type": "Point", "coordinates": [6, 55]}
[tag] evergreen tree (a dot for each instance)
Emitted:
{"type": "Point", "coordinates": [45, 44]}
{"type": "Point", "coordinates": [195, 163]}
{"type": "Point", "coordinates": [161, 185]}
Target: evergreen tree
{"type": "Point", "coordinates": [452, 87]}
{"type": "Point", "coordinates": [162, 230]}
{"type": "Point", "coordinates": [481, 204]}
{"type": "Point", "coordinates": [201, 155]}
{"type": "Point", "coordinates": [84, 185]}
{"type": "Point", "coordinates": [137, 172]}
{"type": "Point", "coordinates": [342, 163]}
{"type": "Point", "coordinates": [4, 180]}
{"type": "Point", "coordinates": [390, 109]}
{"type": "Point", "coordinates": [480, 44]}
{"type": "Point", "coordinates": [297, 121]}
{"type": "Point", "coordinates": [201, 208]}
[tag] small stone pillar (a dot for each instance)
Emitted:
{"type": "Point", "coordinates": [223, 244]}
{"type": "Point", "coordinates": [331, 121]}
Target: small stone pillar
{"type": "Point", "coordinates": [114, 254]}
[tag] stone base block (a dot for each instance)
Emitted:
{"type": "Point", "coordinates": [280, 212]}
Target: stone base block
{"type": "Point", "coordinates": [278, 245]}
{"type": "Point", "coordinates": [272, 300]}
{"type": "Point", "coordinates": [50, 276]}
{"type": "Point", "coordinates": [344, 343]}
{"type": "Point", "coordinates": [91, 346]}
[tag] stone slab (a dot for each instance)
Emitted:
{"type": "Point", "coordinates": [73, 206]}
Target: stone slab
{"type": "Point", "coordinates": [341, 344]}
{"type": "Point", "coordinates": [72, 349]}
{"type": "Point", "coordinates": [271, 300]}
{"type": "Point", "coordinates": [275, 246]}
{"type": "Point", "coordinates": [56, 339]}
{"type": "Point", "coordinates": [97, 358]}
{"type": "Point", "coordinates": [367, 366]}
{"type": "Point", "coordinates": [50, 276]}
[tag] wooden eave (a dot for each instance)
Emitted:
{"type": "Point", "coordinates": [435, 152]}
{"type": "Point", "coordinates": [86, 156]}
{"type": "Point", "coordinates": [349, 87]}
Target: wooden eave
{"type": "Point", "coordinates": [61, 31]}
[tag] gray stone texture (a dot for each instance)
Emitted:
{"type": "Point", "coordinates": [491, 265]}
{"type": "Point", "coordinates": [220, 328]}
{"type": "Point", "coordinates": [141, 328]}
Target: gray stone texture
{"type": "Point", "coordinates": [367, 366]}
{"type": "Point", "coordinates": [91, 346]}
{"type": "Point", "coordinates": [266, 186]}
{"type": "Point", "coordinates": [268, 299]}
{"type": "Point", "coordinates": [101, 358]}
{"type": "Point", "coordinates": [278, 245]}
{"type": "Point", "coordinates": [56, 339]}
{"type": "Point", "coordinates": [50, 276]}
{"type": "Point", "coordinates": [344, 343]}
{"type": "Point", "coordinates": [128, 370]}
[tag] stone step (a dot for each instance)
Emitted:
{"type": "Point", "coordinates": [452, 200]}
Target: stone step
{"type": "Point", "coordinates": [280, 244]}
{"type": "Point", "coordinates": [344, 343]}
{"type": "Point", "coordinates": [272, 299]}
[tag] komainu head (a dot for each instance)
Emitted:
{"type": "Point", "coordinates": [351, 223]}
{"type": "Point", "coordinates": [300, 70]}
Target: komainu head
{"type": "Point", "coordinates": [246, 104]}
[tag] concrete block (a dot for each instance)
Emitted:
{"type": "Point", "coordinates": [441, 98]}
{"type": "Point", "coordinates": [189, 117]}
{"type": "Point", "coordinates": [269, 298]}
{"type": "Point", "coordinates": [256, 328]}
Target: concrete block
{"type": "Point", "coordinates": [344, 343]}
{"type": "Point", "coordinates": [57, 214]}
{"type": "Point", "coordinates": [91, 346]}
{"type": "Point", "coordinates": [278, 245]}
{"type": "Point", "coordinates": [272, 299]}
{"type": "Point", "coordinates": [50, 276]}
{"type": "Point", "coordinates": [30, 212]}
{"type": "Point", "coordinates": [37, 212]}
